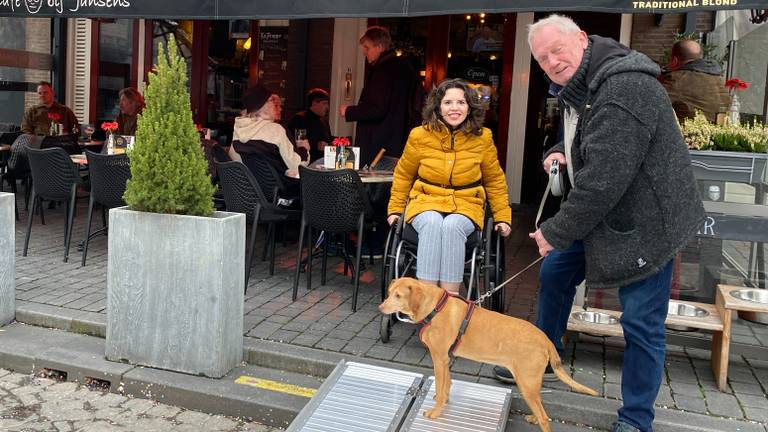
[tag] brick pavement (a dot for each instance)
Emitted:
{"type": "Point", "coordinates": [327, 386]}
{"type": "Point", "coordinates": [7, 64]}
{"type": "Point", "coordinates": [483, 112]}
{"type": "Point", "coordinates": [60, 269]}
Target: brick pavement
{"type": "Point", "coordinates": [30, 403]}
{"type": "Point", "coordinates": [322, 319]}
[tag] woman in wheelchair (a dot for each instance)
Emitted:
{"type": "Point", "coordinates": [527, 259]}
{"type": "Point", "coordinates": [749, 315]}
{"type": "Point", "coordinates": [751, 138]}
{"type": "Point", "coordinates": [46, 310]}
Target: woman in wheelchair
{"type": "Point", "coordinates": [448, 170]}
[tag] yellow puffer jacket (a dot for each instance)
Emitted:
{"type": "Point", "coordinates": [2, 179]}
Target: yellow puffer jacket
{"type": "Point", "coordinates": [443, 167]}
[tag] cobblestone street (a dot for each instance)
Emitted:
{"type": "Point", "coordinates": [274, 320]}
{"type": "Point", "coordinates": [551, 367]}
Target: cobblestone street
{"type": "Point", "coordinates": [66, 296]}
{"type": "Point", "coordinates": [29, 403]}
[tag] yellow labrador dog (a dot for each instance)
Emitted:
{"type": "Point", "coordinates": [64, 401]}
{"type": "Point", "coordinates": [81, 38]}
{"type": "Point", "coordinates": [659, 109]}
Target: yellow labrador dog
{"type": "Point", "coordinates": [487, 337]}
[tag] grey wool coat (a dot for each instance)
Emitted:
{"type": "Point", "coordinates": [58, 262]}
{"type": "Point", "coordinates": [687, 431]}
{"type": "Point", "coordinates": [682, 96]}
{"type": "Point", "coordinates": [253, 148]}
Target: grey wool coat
{"type": "Point", "coordinates": [634, 203]}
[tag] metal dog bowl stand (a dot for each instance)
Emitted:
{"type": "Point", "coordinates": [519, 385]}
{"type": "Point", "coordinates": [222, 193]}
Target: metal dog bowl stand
{"type": "Point", "coordinates": [588, 322]}
{"type": "Point", "coordinates": [358, 397]}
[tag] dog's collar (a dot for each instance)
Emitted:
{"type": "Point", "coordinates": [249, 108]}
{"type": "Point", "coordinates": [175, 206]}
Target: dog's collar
{"type": "Point", "coordinates": [438, 307]}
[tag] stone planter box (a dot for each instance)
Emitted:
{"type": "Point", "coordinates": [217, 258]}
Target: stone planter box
{"type": "Point", "coordinates": [7, 259]}
{"type": "Point", "coordinates": [729, 166]}
{"type": "Point", "coordinates": [175, 291]}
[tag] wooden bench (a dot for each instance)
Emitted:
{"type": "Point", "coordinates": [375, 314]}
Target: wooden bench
{"type": "Point", "coordinates": [718, 322]}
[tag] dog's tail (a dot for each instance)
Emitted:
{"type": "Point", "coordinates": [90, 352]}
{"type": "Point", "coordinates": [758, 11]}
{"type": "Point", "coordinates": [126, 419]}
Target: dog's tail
{"type": "Point", "coordinates": [557, 367]}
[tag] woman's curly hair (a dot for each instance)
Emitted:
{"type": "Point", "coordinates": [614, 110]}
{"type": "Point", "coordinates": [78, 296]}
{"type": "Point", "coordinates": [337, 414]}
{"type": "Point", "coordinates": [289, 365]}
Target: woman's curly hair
{"type": "Point", "coordinates": [433, 120]}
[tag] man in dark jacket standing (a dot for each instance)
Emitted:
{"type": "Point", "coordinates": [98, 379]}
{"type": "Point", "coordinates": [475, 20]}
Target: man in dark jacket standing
{"type": "Point", "coordinates": [633, 203]}
{"type": "Point", "coordinates": [694, 83]}
{"type": "Point", "coordinates": [382, 113]}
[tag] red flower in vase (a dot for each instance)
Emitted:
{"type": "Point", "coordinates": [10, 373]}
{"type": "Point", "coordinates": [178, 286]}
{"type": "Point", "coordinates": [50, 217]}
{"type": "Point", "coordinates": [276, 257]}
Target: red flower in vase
{"type": "Point", "coordinates": [109, 126]}
{"type": "Point", "coordinates": [736, 84]}
{"type": "Point", "coordinates": [341, 142]}
{"type": "Point", "coordinates": [55, 117]}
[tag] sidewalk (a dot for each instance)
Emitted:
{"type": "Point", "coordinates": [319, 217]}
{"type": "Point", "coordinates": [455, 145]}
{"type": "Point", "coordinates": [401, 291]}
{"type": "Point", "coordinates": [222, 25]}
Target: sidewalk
{"type": "Point", "coordinates": [54, 294]}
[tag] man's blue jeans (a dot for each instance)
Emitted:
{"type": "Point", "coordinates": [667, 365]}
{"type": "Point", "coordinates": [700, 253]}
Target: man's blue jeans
{"type": "Point", "coordinates": [644, 309]}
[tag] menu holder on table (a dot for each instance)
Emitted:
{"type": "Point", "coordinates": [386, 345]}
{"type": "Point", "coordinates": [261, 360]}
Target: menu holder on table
{"type": "Point", "coordinates": [329, 157]}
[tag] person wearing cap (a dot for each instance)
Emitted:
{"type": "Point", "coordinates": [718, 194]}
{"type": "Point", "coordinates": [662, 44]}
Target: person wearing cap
{"type": "Point", "coordinates": [315, 121]}
{"type": "Point", "coordinates": [257, 134]}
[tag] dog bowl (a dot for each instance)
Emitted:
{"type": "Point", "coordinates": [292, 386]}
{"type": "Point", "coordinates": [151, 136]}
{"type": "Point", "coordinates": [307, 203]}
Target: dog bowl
{"type": "Point", "coordinates": [755, 295]}
{"type": "Point", "coordinates": [595, 317]}
{"type": "Point", "coordinates": [685, 310]}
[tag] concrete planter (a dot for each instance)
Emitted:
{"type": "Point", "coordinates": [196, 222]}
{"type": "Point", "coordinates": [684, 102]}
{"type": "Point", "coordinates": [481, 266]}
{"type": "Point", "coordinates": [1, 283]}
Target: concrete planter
{"type": "Point", "coordinates": [7, 259]}
{"type": "Point", "coordinates": [175, 291]}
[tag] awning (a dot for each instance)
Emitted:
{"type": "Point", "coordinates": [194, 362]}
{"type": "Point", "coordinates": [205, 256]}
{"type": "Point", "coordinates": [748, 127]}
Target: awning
{"type": "Point", "coordinates": [292, 9]}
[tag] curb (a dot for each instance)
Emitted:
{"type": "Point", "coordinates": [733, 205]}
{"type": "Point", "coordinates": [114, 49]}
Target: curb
{"type": "Point", "coordinates": [198, 393]}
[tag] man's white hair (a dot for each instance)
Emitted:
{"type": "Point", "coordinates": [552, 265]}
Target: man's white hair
{"type": "Point", "coordinates": [563, 23]}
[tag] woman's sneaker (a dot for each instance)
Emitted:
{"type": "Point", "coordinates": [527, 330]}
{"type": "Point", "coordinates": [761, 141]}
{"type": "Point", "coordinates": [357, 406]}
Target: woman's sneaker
{"type": "Point", "coordinates": [504, 375]}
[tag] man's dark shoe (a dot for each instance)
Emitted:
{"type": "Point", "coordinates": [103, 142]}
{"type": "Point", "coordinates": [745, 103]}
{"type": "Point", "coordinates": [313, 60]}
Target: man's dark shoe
{"type": "Point", "coordinates": [504, 375]}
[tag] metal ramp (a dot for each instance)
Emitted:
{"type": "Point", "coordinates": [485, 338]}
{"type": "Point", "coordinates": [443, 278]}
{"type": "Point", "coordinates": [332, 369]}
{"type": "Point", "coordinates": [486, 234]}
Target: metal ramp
{"type": "Point", "coordinates": [358, 397]}
{"type": "Point", "coordinates": [471, 408]}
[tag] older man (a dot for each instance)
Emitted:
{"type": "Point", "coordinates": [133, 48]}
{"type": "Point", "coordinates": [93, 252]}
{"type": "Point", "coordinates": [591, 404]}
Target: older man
{"type": "Point", "coordinates": [382, 113]}
{"type": "Point", "coordinates": [633, 205]}
{"type": "Point", "coordinates": [694, 83]}
{"type": "Point", "coordinates": [37, 120]}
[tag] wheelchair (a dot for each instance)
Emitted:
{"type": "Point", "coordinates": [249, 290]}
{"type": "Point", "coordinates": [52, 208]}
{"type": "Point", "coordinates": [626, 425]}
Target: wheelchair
{"type": "Point", "coordinates": [483, 264]}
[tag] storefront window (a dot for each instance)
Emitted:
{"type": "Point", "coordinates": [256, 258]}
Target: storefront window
{"type": "Point", "coordinates": [182, 32]}
{"type": "Point", "coordinates": [115, 49]}
{"type": "Point", "coordinates": [25, 59]}
{"type": "Point", "coordinates": [475, 54]}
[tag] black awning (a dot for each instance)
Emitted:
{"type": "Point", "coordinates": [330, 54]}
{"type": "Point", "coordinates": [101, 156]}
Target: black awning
{"type": "Point", "coordinates": [291, 9]}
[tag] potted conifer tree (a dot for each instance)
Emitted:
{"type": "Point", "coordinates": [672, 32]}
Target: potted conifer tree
{"type": "Point", "coordinates": [175, 267]}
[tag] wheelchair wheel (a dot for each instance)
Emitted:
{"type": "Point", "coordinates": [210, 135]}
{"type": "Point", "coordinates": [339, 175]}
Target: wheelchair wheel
{"type": "Point", "coordinates": [385, 328]}
{"type": "Point", "coordinates": [494, 255]}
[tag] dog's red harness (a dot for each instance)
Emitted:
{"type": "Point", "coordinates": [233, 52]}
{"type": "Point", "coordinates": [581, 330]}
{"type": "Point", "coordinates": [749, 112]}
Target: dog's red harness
{"type": "Point", "coordinates": [438, 307]}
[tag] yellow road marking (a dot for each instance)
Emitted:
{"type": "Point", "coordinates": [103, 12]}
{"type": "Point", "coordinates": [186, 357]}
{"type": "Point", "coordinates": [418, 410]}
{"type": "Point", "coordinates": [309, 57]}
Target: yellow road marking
{"type": "Point", "coordinates": [276, 386]}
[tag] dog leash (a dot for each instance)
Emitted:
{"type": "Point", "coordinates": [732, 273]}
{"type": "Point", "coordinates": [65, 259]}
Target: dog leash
{"type": "Point", "coordinates": [483, 297]}
{"type": "Point", "coordinates": [555, 186]}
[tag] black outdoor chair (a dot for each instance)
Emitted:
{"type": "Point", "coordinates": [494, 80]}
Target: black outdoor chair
{"type": "Point", "coordinates": [243, 194]}
{"type": "Point", "coordinates": [17, 167]}
{"type": "Point", "coordinates": [54, 177]}
{"type": "Point", "coordinates": [334, 202]}
{"type": "Point", "coordinates": [108, 176]}
{"type": "Point", "coordinates": [273, 184]}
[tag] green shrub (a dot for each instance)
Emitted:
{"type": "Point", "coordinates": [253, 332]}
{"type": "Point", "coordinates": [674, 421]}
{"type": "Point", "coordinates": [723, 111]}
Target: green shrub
{"type": "Point", "coordinates": [169, 173]}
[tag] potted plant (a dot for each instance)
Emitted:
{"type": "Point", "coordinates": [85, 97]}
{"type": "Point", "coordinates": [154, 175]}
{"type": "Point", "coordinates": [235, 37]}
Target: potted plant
{"type": "Point", "coordinates": [7, 258]}
{"type": "Point", "coordinates": [730, 152]}
{"type": "Point", "coordinates": [175, 269]}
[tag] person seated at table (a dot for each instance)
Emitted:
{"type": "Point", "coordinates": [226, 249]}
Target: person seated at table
{"type": "Point", "coordinates": [131, 105]}
{"type": "Point", "coordinates": [315, 121]}
{"type": "Point", "coordinates": [37, 121]}
{"type": "Point", "coordinates": [257, 134]}
{"type": "Point", "coordinates": [448, 170]}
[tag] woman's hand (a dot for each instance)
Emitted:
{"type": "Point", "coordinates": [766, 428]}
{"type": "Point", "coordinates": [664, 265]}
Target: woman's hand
{"type": "Point", "coordinates": [392, 219]}
{"type": "Point", "coordinates": [503, 228]}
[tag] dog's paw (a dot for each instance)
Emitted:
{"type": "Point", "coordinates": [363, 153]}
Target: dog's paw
{"type": "Point", "coordinates": [433, 413]}
{"type": "Point", "coordinates": [531, 419]}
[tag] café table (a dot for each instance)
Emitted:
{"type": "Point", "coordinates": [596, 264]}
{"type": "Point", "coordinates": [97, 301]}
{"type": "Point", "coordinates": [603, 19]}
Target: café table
{"type": "Point", "coordinates": [367, 176]}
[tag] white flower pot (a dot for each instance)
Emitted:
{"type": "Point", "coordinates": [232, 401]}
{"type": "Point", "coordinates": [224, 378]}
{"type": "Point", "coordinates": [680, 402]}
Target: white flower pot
{"type": "Point", "coordinates": [7, 259]}
{"type": "Point", "coordinates": [175, 290]}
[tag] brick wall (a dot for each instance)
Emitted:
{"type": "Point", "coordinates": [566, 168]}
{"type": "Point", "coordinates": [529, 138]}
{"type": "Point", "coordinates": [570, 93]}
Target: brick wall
{"type": "Point", "coordinates": [652, 39]}
{"type": "Point", "coordinates": [37, 39]}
